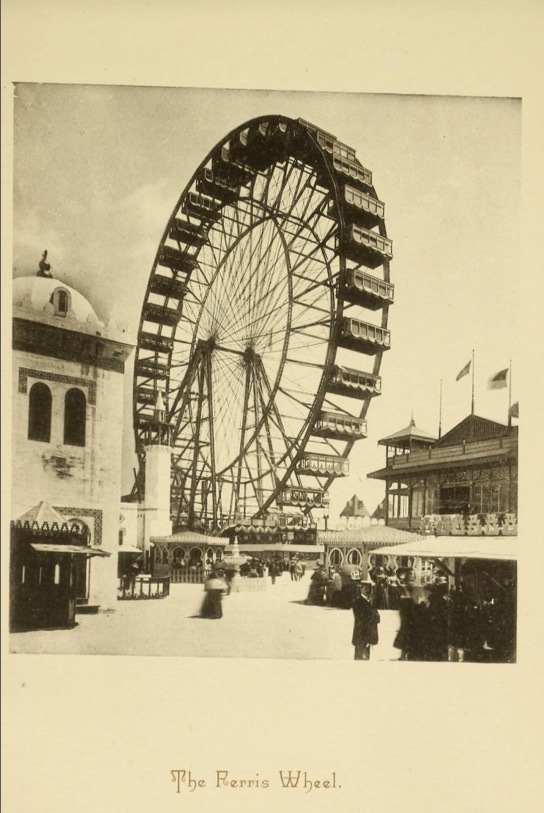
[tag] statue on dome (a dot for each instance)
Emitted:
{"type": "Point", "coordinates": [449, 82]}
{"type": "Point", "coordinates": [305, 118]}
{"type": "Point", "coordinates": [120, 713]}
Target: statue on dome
{"type": "Point", "coordinates": [44, 267]}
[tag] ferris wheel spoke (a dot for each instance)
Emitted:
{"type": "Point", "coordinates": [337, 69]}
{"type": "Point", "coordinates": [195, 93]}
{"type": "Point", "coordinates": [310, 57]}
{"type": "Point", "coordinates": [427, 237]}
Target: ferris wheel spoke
{"type": "Point", "coordinates": [279, 289]}
{"type": "Point", "coordinates": [182, 396]}
{"type": "Point", "coordinates": [242, 436]}
{"type": "Point", "coordinates": [234, 293]}
{"type": "Point", "coordinates": [248, 289]}
{"type": "Point", "coordinates": [288, 215]}
{"type": "Point", "coordinates": [293, 398]}
{"type": "Point", "coordinates": [271, 455]}
{"type": "Point", "coordinates": [275, 413]}
{"type": "Point", "coordinates": [211, 434]}
{"type": "Point", "coordinates": [318, 246]}
{"type": "Point", "coordinates": [195, 463]}
{"type": "Point", "coordinates": [279, 190]}
{"type": "Point", "coordinates": [245, 366]}
{"type": "Point", "coordinates": [302, 180]}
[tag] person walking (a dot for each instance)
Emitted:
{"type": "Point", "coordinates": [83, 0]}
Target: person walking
{"type": "Point", "coordinates": [318, 584]}
{"type": "Point", "coordinates": [334, 588]}
{"type": "Point", "coordinates": [403, 637]}
{"type": "Point", "coordinates": [365, 628]}
{"type": "Point", "coordinates": [212, 605]}
{"type": "Point", "coordinates": [438, 628]}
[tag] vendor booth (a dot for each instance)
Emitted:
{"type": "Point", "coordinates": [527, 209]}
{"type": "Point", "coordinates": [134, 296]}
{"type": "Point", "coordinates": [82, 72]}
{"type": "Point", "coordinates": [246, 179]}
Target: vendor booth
{"type": "Point", "coordinates": [43, 561]}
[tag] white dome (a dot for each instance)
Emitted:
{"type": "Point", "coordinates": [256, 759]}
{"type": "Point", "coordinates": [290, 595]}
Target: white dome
{"type": "Point", "coordinates": [38, 294]}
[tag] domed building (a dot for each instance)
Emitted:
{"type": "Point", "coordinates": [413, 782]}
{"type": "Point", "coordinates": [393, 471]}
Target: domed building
{"type": "Point", "coordinates": [67, 427]}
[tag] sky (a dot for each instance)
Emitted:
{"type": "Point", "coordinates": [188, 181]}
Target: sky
{"type": "Point", "coordinates": [98, 171]}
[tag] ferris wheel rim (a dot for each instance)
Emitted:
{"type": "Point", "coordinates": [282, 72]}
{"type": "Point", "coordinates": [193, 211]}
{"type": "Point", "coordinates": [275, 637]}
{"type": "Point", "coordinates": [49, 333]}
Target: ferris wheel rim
{"type": "Point", "coordinates": [336, 309]}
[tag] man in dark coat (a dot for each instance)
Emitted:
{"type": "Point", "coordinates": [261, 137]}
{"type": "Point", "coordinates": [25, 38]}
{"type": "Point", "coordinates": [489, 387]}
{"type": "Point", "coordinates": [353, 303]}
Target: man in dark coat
{"type": "Point", "coordinates": [365, 628]}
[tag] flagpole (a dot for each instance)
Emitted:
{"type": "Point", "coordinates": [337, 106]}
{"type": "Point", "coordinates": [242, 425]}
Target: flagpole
{"type": "Point", "coordinates": [472, 403]}
{"type": "Point", "coordinates": [510, 396]}
{"type": "Point", "coordinates": [440, 412]}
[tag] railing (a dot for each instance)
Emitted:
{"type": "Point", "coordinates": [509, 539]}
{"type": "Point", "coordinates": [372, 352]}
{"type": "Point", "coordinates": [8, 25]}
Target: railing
{"type": "Point", "coordinates": [368, 284]}
{"type": "Point", "coordinates": [143, 587]}
{"type": "Point", "coordinates": [372, 240]}
{"type": "Point", "coordinates": [184, 576]}
{"type": "Point", "coordinates": [322, 464]}
{"type": "Point", "coordinates": [347, 377]}
{"type": "Point", "coordinates": [352, 170]}
{"type": "Point", "coordinates": [337, 422]}
{"type": "Point", "coordinates": [475, 448]}
{"type": "Point", "coordinates": [303, 496]}
{"type": "Point", "coordinates": [364, 332]}
{"type": "Point", "coordinates": [500, 523]}
{"type": "Point", "coordinates": [356, 198]}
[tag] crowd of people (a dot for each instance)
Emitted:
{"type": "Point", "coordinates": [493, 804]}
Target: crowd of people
{"type": "Point", "coordinates": [474, 621]}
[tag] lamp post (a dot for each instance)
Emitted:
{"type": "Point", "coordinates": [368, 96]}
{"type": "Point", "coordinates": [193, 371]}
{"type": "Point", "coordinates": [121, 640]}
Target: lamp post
{"type": "Point", "coordinates": [326, 517]}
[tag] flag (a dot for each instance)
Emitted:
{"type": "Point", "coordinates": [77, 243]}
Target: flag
{"type": "Point", "coordinates": [464, 371]}
{"type": "Point", "coordinates": [514, 410]}
{"type": "Point", "coordinates": [499, 380]}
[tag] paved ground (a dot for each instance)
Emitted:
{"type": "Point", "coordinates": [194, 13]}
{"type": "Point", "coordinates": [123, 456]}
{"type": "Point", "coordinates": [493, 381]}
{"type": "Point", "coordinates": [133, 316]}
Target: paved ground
{"type": "Point", "coordinates": [275, 623]}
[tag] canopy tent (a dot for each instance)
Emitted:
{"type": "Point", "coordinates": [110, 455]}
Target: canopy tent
{"type": "Point", "coordinates": [464, 547]}
{"type": "Point", "coordinates": [130, 549]}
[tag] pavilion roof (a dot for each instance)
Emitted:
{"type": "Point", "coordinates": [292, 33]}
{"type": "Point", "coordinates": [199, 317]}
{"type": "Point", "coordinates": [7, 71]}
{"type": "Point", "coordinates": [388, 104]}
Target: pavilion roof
{"type": "Point", "coordinates": [410, 432]}
{"type": "Point", "coordinates": [41, 514]}
{"type": "Point", "coordinates": [355, 507]}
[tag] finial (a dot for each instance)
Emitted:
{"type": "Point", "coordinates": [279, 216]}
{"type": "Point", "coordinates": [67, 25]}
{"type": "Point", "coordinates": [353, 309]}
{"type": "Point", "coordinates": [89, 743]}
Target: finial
{"type": "Point", "coordinates": [44, 266]}
{"type": "Point", "coordinates": [412, 422]}
{"type": "Point", "coordinates": [159, 403]}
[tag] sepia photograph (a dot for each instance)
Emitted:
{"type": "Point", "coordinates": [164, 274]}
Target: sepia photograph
{"type": "Point", "coordinates": [271, 300]}
{"type": "Point", "coordinates": [265, 367]}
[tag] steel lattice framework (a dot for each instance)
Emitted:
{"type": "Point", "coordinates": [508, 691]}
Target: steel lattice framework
{"type": "Point", "coordinates": [262, 325]}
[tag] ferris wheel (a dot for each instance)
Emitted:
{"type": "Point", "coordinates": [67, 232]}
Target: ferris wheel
{"type": "Point", "coordinates": [264, 323]}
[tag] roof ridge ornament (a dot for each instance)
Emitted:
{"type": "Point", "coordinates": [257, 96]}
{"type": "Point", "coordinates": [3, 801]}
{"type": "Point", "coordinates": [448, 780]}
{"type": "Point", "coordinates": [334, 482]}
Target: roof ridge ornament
{"type": "Point", "coordinates": [44, 267]}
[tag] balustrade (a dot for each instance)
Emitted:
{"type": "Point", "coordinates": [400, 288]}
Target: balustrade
{"type": "Point", "coordinates": [143, 587]}
{"type": "Point", "coordinates": [491, 524]}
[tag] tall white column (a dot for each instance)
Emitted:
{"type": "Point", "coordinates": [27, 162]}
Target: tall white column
{"type": "Point", "coordinates": [157, 492]}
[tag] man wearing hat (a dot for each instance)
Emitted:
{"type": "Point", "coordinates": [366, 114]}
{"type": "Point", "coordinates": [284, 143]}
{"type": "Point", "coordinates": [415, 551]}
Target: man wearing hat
{"type": "Point", "coordinates": [365, 628]}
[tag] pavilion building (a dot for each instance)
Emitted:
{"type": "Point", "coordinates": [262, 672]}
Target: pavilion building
{"type": "Point", "coordinates": [463, 482]}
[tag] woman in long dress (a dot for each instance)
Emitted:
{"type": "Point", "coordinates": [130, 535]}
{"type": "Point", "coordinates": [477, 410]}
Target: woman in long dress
{"type": "Point", "coordinates": [212, 605]}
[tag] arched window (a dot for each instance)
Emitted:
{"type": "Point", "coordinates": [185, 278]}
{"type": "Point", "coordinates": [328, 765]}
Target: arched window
{"type": "Point", "coordinates": [39, 412]}
{"type": "Point", "coordinates": [336, 557]}
{"type": "Point", "coordinates": [75, 415]}
{"type": "Point", "coordinates": [60, 299]}
{"type": "Point", "coordinates": [354, 557]}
